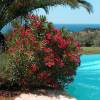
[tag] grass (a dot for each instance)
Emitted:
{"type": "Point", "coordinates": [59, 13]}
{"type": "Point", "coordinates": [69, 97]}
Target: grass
{"type": "Point", "coordinates": [91, 50]}
{"type": "Point", "coordinates": [3, 65]}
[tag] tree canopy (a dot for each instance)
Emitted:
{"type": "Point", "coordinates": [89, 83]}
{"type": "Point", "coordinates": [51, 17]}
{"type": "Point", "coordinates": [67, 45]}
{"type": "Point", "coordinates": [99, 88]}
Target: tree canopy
{"type": "Point", "coordinates": [11, 9]}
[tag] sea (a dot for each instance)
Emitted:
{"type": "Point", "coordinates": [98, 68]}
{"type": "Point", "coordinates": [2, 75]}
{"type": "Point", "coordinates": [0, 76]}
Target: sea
{"type": "Point", "coordinates": [77, 27]}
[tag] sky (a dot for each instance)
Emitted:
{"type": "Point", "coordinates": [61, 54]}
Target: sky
{"type": "Point", "coordinates": [66, 15]}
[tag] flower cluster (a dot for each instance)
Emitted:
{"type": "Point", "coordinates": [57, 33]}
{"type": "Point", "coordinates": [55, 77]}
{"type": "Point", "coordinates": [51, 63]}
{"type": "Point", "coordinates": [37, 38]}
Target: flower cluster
{"type": "Point", "coordinates": [42, 55]}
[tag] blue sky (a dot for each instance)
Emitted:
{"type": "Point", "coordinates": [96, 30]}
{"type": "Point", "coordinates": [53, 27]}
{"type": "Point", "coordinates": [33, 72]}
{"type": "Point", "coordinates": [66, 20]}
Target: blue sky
{"type": "Point", "coordinates": [66, 15]}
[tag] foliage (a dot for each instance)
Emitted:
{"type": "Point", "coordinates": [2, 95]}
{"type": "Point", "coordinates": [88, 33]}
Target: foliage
{"type": "Point", "coordinates": [89, 38]}
{"type": "Point", "coordinates": [11, 9]}
{"type": "Point", "coordinates": [2, 43]}
{"type": "Point", "coordinates": [4, 70]}
{"type": "Point", "coordinates": [41, 55]}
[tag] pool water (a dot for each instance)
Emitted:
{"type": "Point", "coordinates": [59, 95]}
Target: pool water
{"type": "Point", "coordinates": [86, 85]}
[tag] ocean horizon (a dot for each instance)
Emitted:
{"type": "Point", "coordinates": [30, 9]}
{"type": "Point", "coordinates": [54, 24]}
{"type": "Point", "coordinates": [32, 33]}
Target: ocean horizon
{"type": "Point", "coordinates": [77, 27]}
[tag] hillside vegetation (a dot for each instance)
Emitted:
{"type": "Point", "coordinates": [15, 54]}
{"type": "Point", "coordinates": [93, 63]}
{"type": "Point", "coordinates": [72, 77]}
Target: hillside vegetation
{"type": "Point", "coordinates": [89, 37]}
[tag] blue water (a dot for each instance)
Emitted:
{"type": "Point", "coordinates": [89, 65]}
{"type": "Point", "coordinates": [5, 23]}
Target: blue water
{"type": "Point", "coordinates": [86, 85]}
{"type": "Point", "coordinates": [77, 27]}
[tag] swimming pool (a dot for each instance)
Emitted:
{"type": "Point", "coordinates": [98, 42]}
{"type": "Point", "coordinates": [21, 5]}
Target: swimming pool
{"type": "Point", "coordinates": [86, 85]}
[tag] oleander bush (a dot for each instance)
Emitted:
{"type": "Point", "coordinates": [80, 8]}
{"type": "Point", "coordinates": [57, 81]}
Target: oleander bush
{"type": "Point", "coordinates": [41, 55]}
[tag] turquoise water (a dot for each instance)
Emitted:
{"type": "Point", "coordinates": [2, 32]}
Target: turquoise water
{"type": "Point", "coordinates": [86, 85]}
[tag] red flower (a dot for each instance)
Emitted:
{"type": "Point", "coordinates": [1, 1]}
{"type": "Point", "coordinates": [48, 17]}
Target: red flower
{"type": "Point", "coordinates": [37, 24]}
{"type": "Point", "coordinates": [57, 31]}
{"type": "Point", "coordinates": [50, 63]}
{"type": "Point", "coordinates": [17, 42]}
{"type": "Point", "coordinates": [72, 58]}
{"type": "Point", "coordinates": [48, 36]}
{"type": "Point", "coordinates": [68, 42]}
{"type": "Point", "coordinates": [36, 44]}
{"type": "Point", "coordinates": [56, 37]}
{"type": "Point", "coordinates": [57, 59]}
{"type": "Point", "coordinates": [43, 75]}
{"type": "Point", "coordinates": [62, 42]}
{"type": "Point", "coordinates": [32, 38]}
{"type": "Point", "coordinates": [47, 50]}
{"type": "Point", "coordinates": [77, 44]}
{"type": "Point", "coordinates": [47, 58]}
{"type": "Point", "coordinates": [33, 17]}
{"type": "Point", "coordinates": [26, 42]}
{"type": "Point", "coordinates": [68, 54]}
{"type": "Point", "coordinates": [34, 67]}
{"type": "Point", "coordinates": [62, 64]}
{"type": "Point", "coordinates": [25, 32]}
{"type": "Point", "coordinates": [45, 42]}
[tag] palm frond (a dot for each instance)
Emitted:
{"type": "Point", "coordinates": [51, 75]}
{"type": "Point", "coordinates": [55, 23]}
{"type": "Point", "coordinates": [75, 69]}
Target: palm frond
{"type": "Point", "coordinates": [71, 3]}
{"type": "Point", "coordinates": [10, 9]}
{"type": "Point", "coordinates": [86, 5]}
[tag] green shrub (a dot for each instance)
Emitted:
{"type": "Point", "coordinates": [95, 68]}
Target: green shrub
{"type": "Point", "coordinates": [89, 38]}
{"type": "Point", "coordinates": [41, 55]}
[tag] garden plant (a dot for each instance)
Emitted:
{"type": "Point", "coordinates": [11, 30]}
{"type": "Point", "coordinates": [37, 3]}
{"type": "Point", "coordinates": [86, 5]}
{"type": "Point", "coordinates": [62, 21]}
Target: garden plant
{"type": "Point", "coordinates": [41, 55]}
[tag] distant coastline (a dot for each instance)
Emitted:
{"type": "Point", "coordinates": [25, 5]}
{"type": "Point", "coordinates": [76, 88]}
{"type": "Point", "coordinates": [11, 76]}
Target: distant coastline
{"type": "Point", "coordinates": [77, 27]}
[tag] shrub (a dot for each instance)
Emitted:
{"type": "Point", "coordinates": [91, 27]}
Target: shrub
{"type": "Point", "coordinates": [89, 38]}
{"type": "Point", "coordinates": [41, 55]}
